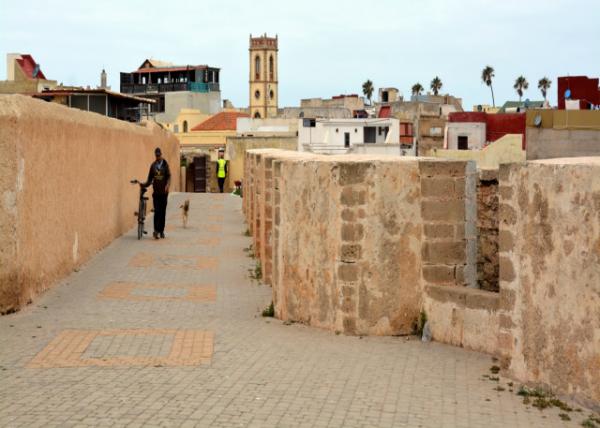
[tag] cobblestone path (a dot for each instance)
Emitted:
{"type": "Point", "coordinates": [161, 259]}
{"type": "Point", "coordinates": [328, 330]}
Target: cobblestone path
{"type": "Point", "coordinates": [169, 333]}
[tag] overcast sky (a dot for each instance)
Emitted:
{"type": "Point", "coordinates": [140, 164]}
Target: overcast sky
{"type": "Point", "coordinates": [325, 47]}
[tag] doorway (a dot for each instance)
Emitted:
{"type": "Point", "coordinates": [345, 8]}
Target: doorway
{"type": "Point", "coordinates": [199, 174]}
{"type": "Point", "coordinates": [463, 143]}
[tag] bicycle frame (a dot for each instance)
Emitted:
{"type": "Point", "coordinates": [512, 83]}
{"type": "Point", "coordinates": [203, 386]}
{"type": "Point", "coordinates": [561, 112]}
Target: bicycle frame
{"type": "Point", "coordinates": [141, 212]}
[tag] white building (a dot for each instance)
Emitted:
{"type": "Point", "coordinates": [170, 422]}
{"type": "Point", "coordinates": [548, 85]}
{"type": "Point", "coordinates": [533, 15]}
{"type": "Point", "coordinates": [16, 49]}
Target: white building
{"type": "Point", "coordinates": [248, 127]}
{"type": "Point", "coordinates": [338, 136]}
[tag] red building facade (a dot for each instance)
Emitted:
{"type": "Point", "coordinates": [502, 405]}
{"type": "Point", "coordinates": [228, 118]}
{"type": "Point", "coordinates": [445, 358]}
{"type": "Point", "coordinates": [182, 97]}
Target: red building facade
{"type": "Point", "coordinates": [581, 88]}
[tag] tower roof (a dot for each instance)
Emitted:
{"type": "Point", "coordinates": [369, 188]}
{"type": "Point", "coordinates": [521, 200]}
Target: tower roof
{"type": "Point", "coordinates": [263, 42]}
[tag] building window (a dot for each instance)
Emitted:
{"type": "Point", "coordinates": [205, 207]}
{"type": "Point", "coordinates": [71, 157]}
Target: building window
{"type": "Point", "coordinates": [271, 72]}
{"type": "Point", "coordinates": [272, 94]}
{"type": "Point", "coordinates": [257, 94]}
{"type": "Point", "coordinates": [257, 115]}
{"type": "Point", "coordinates": [346, 139]}
{"type": "Point", "coordinates": [463, 143]}
{"type": "Point", "coordinates": [185, 126]}
{"type": "Point", "coordinates": [309, 123]}
{"type": "Point", "coordinates": [176, 128]}
{"type": "Point", "coordinates": [257, 67]}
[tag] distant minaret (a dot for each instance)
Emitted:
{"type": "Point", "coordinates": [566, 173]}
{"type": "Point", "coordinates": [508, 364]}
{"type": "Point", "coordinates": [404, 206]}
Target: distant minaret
{"type": "Point", "coordinates": [103, 80]}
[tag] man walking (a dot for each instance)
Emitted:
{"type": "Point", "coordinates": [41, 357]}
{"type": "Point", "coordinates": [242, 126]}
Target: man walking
{"type": "Point", "coordinates": [160, 178]}
{"type": "Point", "coordinates": [221, 170]}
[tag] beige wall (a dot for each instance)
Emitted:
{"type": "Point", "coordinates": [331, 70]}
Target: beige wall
{"type": "Point", "coordinates": [237, 147]}
{"type": "Point", "coordinates": [549, 275]}
{"type": "Point", "coordinates": [507, 149]}
{"type": "Point", "coordinates": [65, 189]}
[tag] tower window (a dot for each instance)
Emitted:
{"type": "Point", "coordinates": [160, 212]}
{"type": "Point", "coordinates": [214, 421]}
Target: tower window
{"type": "Point", "coordinates": [257, 115]}
{"type": "Point", "coordinates": [185, 126]}
{"type": "Point", "coordinates": [271, 68]}
{"type": "Point", "coordinates": [257, 94]}
{"type": "Point", "coordinates": [257, 67]}
{"type": "Point", "coordinates": [272, 94]}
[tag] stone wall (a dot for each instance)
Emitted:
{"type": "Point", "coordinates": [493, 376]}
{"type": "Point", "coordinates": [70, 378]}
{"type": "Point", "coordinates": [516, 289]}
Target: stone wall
{"type": "Point", "coordinates": [363, 244]}
{"type": "Point", "coordinates": [342, 239]}
{"type": "Point", "coordinates": [488, 268]}
{"type": "Point", "coordinates": [64, 184]}
{"type": "Point", "coordinates": [550, 275]}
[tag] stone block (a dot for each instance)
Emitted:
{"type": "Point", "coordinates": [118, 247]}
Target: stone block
{"type": "Point", "coordinates": [352, 197]}
{"type": "Point", "coordinates": [431, 168]}
{"type": "Point", "coordinates": [450, 211]}
{"type": "Point", "coordinates": [352, 173]}
{"type": "Point", "coordinates": [448, 252]}
{"type": "Point", "coordinates": [350, 252]}
{"type": "Point", "coordinates": [438, 273]}
{"type": "Point", "coordinates": [507, 271]}
{"type": "Point", "coordinates": [352, 232]}
{"type": "Point", "coordinates": [437, 187]}
{"type": "Point", "coordinates": [435, 230]}
{"type": "Point", "coordinates": [348, 272]}
{"type": "Point", "coordinates": [506, 241]}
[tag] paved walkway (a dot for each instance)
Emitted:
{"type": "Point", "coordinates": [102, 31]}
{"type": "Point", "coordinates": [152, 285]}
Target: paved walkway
{"type": "Point", "coordinates": [169, 333]}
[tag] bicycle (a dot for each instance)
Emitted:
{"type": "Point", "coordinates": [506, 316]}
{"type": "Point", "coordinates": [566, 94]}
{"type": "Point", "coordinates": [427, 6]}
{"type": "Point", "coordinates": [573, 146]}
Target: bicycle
{"type": "Point", "coordinates": [141, 212]}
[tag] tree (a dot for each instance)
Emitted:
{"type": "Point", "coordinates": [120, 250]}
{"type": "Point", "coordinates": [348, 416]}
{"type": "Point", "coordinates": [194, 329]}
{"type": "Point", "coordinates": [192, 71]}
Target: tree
{"type": "Point", "coordinates": [486, 76]}
{"type": "Point", "coordinates": [417, 88]}
{"type": "Point", "coordinates": [367, 88]}
{"type": "Point", "coordinates": [521, 84]}
{"type": "Point", "coordinates": [543, 85]}
{"type": "Point", "coordinates": [436, 85]}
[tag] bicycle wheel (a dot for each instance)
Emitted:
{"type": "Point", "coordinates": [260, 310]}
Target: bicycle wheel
{"type": "Point", "coordinates": [141, 215]}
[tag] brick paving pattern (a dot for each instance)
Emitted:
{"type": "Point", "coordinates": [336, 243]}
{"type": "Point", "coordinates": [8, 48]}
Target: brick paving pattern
{"type": "Point", "coordinates": [123, 343]}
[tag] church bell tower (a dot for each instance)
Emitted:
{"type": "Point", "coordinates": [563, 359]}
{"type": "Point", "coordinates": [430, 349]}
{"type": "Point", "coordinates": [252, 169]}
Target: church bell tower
{"type": "Point", "coordinates": [263, 77]}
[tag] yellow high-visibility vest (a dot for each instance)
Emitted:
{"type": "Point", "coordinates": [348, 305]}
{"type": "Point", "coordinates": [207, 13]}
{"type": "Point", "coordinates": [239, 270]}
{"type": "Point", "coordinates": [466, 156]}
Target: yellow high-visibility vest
{"type": "Point", "coordinates": [221, 172]}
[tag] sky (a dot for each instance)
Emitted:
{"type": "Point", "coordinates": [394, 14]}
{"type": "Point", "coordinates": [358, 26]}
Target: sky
{"type": "Point", "coordinates": [326, 47]}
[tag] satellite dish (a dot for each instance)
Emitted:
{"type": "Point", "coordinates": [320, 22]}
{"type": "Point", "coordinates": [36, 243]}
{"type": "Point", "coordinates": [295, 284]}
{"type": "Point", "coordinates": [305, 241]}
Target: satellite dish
{"type": "Point", "coordinates": [537, 121]}
{"type": "Point", "coordinates": [526, 105]}
{"type": "Point", "coordinates": [568, 94]}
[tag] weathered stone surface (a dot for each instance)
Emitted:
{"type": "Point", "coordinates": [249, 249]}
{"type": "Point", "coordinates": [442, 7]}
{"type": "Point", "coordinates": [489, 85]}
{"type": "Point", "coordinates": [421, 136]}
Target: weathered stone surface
{"type": "Point", "coordinates": [554, 229]}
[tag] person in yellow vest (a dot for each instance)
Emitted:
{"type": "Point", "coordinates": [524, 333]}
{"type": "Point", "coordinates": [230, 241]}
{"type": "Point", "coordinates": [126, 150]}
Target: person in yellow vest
{"type": "Point", "coordinates": [221, 170]}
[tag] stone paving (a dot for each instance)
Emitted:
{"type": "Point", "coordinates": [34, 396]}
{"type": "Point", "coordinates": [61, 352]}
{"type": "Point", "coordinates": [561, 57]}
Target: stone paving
{"type": "Point", "coordinates": [169, 333]}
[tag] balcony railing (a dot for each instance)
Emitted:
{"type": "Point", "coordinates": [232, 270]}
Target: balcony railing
{"type": "Point", "coordinates": [155, 88]}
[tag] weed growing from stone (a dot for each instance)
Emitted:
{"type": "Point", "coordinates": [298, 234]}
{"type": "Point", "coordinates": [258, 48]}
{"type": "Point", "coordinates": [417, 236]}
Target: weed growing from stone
{"type": "Point", "coordinates": [256, 273]}
{"type": "Point", "coordinates": [249, 250]}
{"type": "Point", "coordinates": [495, 369]}
{"type": "Point", "coordinates": [269, 311]}
{"type": "Point", "coordinates": [247, 232]}
{"type": "Point", "coordinates": [589, 423]}
{"type": "Point", "coordinates": [564, 416]}
{"type": "Point", "coordinates": [419, 324]}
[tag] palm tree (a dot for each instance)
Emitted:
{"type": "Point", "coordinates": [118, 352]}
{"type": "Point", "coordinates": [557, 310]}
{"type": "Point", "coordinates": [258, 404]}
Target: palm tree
{"type": "Point", "coordinates": [436, 84]}
{"type": "Point", "coordinates": [417, 88]}
{"type": "Point", "coordinates": [367, 88]}
{"type": "Point", "coordinates": [543, 85]}
{"type": "Point", "coordinates": [486, 76]}
{"type": "Point", "coordinates": [520, 85]}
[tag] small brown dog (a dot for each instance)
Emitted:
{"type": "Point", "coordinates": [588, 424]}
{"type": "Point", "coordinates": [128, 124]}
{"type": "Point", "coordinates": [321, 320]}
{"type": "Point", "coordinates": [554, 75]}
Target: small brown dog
{"type": "Point", "coordinates": [185, 208]}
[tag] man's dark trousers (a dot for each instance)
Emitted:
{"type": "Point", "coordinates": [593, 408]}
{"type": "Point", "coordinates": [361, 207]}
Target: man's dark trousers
{"type": "Point", "coordinates": [160, 210]}
{"type": "Point", "coordinates": [221, 181]}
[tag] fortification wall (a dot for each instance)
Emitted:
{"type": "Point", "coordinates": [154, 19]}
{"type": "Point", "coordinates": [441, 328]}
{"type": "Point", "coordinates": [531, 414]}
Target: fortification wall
{"type": "Point", "coordinates": [65, 189]}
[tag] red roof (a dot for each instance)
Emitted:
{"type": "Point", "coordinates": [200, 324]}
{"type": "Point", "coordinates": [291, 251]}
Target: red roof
{"type": "Point", "coordinates": [224, 121]}
{"type": "Point", "coordinates": [28, 65]}
{"type": "Point", "coordinates": [385, 112]}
